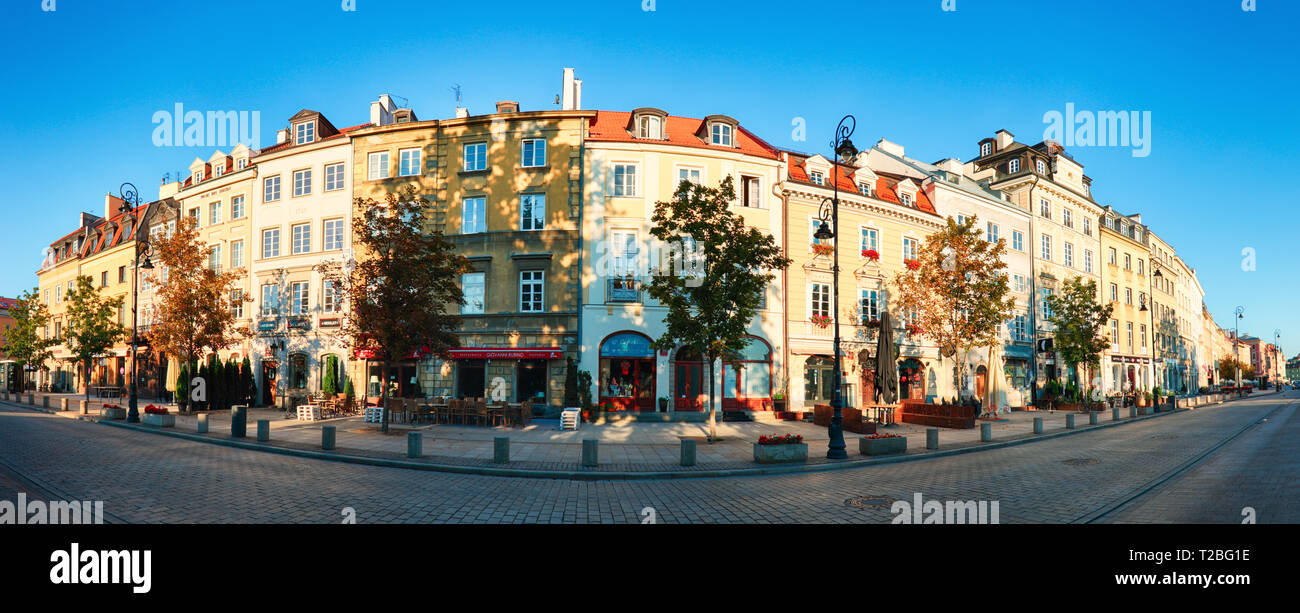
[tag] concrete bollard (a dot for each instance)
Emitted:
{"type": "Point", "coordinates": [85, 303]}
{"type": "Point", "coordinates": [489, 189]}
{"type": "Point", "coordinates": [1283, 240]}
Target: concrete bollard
{"type": "Point", "coordinates": [263, 430]}
{"type": "Point", "coordinates": [30, 399]}
{"type": "Point", "coordinates": [327, 434]}
{"type": "Point", "coordinates": [414, 447]}
{"type": "Point", "coordinates": [85, 407]}
{"type": "Point", "coordinates": [63, 404]}
{"type": "Point", "coordinates": [501, 450]}
{"type": "Point", "coordinates": [986, 432]}
{"type": "Point", "coordinates": [1069, 421]}
{"type": "Point", "coordinates": [45, 401]}
{"type": "Point", "coordinates": [1114, 414]}
{"type": "Point", "coordinates": [590, 452]}
{"type": "Point", "coordinates": [1092, 418]}
{"type": "Point", "coordinates": [1038, 425]}
{"type": "Point", "coordinates": [203, 423]}
{"type": "Point", "coordinates": [1132, 412]}
{"type": "Point", "coordinates": [931, 438]}
{"type": "Point", "coordinates": [238, 421]}
{"type": "Point", "coordinates": [688, 452]}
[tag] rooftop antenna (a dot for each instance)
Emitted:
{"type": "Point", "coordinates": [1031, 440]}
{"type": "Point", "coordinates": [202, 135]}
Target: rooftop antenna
{"type": "Point", "coordinates": [455, 89]}
{"type": "Point", "coordinates": [406, 102]}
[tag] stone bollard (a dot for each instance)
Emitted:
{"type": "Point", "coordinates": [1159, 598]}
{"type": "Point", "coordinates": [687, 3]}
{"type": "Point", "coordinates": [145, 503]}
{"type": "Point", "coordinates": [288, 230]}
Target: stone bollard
{"type": "Point", "coordinates": [1132, 412]}
{"type": "Point", "coordinates": [30, 399]}
{"type": "Point", "coordinates": [327, 434]}
{"type": "Point", "coordinates": [203, 423]}
{"type": "Point", "coordinates": [501, 450]}
{"type": "Point", "coordinates": [1069, 421]}
{"type": "Point", "coordinates": [931, 438]}
{"type": "Point", "coordinates": [414, 447]}
{"type": "Point", "coordinates": [590, 452]}
{"type": "Point", "coordinates": [45, 401]}
{"type": "Point", "coordinates": [63, 404]}
{"type": "Point", "coordinates": [238, 421]}
{"type": "Point", "coordinates": [1092, 418]}
{"type": "Point", "coordinates": [986, 433]}
{"type": "Point", "coordinates": [1038, 425]}
{"type": "Point", "coordinates": [688, 452]}
{"type": "Point", "coordinates": [85, 407]}
{"type": "Point", "coordinates": [263, 430]}
{"type": "Point", "coordinates": [1114, 414]}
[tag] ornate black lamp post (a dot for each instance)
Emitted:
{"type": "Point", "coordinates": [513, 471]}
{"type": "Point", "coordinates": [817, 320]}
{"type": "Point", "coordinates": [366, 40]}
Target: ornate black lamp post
{"type": "Point", "coordinates": [130, 200]}
{"type": "Point", "coordinates": [830, 210]}
{"type": "Point", "coordinates": [1236, 334]}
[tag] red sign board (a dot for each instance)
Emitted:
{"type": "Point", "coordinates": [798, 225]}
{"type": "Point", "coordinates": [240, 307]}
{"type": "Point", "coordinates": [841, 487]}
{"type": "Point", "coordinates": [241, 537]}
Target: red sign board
{"type": "Point", "coordinates": [490, 353]}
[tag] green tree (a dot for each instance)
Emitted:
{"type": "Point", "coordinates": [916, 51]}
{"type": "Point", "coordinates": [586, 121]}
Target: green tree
{"type": "Point", "coordinates": [183, 386]}
{"type": "Point", "coordinates": [25, 340]}
{"type": "Point", "coordinates": [93, 326]}
{"type": "Point", "coordinates": [1080, 318]}
{"type": "Point", "coordinates": [247, 383]}
{"type": "Point", "coordinates": [404, 288]}
{"type": "Point", "coordinates": [329, 383]}
{"type": "Point", "coordinates": [958, 291]}
{"type": "Point", "coordinates": [715, 277]}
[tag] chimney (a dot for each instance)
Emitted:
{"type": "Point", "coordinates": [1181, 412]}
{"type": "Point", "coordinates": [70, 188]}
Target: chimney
{"type": "Point", "coordinates": [461, 112]}
{"type": "Point", "coordinates": [894, 149]}
{"type": "Point", "coordinates": [950, 165]}
{"type": "Point", "coordinates": [1004, 139]}
{"type": "Point", "coordinates": [381, 111]}
{"type": "Point", "coordinates": [282, 136]}
{"type": "Point", "coordinates": [571, 92]}
{"type": "Point", "coordinates": [111, 204]}
{"type": "Point", "coordinates": [507, 106]}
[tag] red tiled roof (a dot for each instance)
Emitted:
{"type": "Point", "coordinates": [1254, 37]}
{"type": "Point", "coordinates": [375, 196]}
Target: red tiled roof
{"type": "Point", "coordinates": [8, 303]}
{"type": "Point", "coordinates": [97, 243]}
{"type": "Point", "coordinates": [611, 126]}
{"type": "Point", "coordinates": [884, 189]}
{"type": "Point", "coordinates": [286, 143]}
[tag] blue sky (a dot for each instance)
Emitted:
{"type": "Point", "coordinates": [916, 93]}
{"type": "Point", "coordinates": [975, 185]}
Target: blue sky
{"type": "Point", "coordinates": [83, 82]}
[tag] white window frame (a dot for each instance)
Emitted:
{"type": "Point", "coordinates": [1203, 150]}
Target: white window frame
{"type": "Point", "coordinates": [530, 219]}
{"type": "Point", "coordinates": [304, 133]}
{"type": "Point", "coordinates": [1017, 240]}
{"type": "Point", "coordinates": [471, 308]}
{"type": "Point", "coordinates": [915, 247]}
{"type": "Point", "coordinates": [868, 238]}
{"type": "Point", "coordinates": [679, 170]}
{"type": "Point", "coordinates": [629, 189]}
{"type": "Point", "coordinates": [410, 162]}
{"type": "Point", "coordinates": [271, 189]}
{"type": "Point", "coordinates": [536, 158]}
{"type": "Point", "coordinates": [476, 161]}
{"type": "Point", "coordinates": [745, 180]}
{"type": "Point", "coordinates": [236, 254]}
{"type": "Point", "coordinates": [332, 241]}
{"type": "Point", "coordinates": [299, 298]}
{"type": "Point", "coordinates": [650, 127]}
{"type": "Point", "coordinates": [532, 291]}
{"type": "Point", "coordinates": [295, 238]}
{"type": "Point", "coordinates": [377, 166]}
{"type": "Point", "coordinates": [238, 210]}
{"type": "Point", "coordinates": [480, 219]}
{"type": "Point", "coordinates": [1045, 247]}
{"type": "Point", "coordinates": [992, 232]}
{"type": "Point", "coordinates": [270, 304]}
{"type": "Point", "coordinates": [814, 307]}
{"type": "Point", "coordinates": [721, 134]}
{"type": "Point", "coordinates": [274, 245]}
{"type": "Point", "coordinates": [214, 213]}
{"type": "Point", "coordinates": [985, 149]}
{"type": "Point", "coordinates": [1013, 166]}
{"type": "Point", "coordinates": [335, 176]}
{"type": "Point", "coordinates": [302, 182]}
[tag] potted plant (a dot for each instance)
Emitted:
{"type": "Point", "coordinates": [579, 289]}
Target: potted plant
{"type": "Point", "coordinates": [112, 411]}
{"type": "Point", "coordinates": [871, 254]}
{"type": "Point", "coordinates": [882, 444]}
{"type": "Point", "coordinates": [912, 264]}
{"type": "Point", "coordinates": [822, 248]}
{"type": "Point", "coordinates": [663, 404]}
{"type": "Point", "coordinates": [774, 449]}
{"type": "Point", "coordinates": [158, 416]}
{"type": "Point", "coordinates": [779, 403]}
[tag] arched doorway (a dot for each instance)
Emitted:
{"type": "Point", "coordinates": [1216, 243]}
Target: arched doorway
{"type": "Point", "coordinates": [819, 380]}
{"type": "Point", "coordinates": [911, 380]}
{"type": "Point", "coordinates": [690, 390]}
{"type": "Point", "coordinates": [627, 372]}
{"type": "Point", "coordinates": [981, 383]}
{"type": "Point", "coordinates": [867, 373]}
{"type": "Point", "coordinates": [747, 378]}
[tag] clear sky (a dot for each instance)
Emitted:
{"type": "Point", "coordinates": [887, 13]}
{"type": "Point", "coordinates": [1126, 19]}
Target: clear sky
{"type": "Point", "coordinates": [83, 82]}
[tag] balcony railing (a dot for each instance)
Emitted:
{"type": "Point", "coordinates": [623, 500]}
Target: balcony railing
{"type": "Point", "coordinates": [623, 290]}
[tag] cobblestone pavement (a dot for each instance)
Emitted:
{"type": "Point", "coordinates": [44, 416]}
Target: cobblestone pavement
{"type": "Point", "coordinates": [154, 479]}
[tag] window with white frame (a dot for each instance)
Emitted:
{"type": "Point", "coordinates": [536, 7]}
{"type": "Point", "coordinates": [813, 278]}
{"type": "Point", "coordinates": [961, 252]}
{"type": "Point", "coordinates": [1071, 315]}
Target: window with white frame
{"type": "Point", "coordinates": [533, 154]}
{"type": "Point", "coordinates": [532, 212]}
{"type": "Point", "coordinates": [219, 170]}
{"type": "Point", "coordinates": [1114, 293]}
{"type": "Point", "coordinates": [1013, 166]}
{"type": "Point", "coordinates": [1114, 332]}
{"type": "Point", "coordinates": [819, 299]}
{"type": "Point", "coordinates": [694, 175]}
{"type": "Point", "coordinates": [1087, 226]}
{"type": "Point", "coordinates": [304, 133]}
{"type": "Point", "coordinates": [298, 298]}
{"type": "Point", "coordinates": [650, 127]}
{"type": "Point", "coordinates": [1069, 254]}
{"type": "Point", "coordinates": [1017, 240]}
{"type": "Point", "coordinates": [237, 303]}
{"type": "Point", "coordinates": [910, 246]}
{"type": "Point", "coordinates": [1046, 251]}
{"type": "Point", "coordinates": [270, 300]}
{"type": "Point", "coordinates": [1045, 307]}
{"type": "Point", "coordinates": [237, 207]}
{"type": "Point", "coordinates": [1019, 328]}
{"type": "Point", "coordinates": [1067, 217]}
{"type": "Point", "coordinates": [194, 214]}
{"type": "Point", "coordinates": [241, 163]}
{"type": "Point", "coordinates": [475, 157]}
{"type": "Point", "coordinates": [816, 177]}
{"type": "Point", "coordinates": [961, 218]}
{"type": "Point", "coordinates": [214, 258]}
{"type": "Point", "coordinates": [198, 175]}
{"type": "Point", "coordinates": [1111, 251]}
{"type": "Point", "coordinates": [473, 215]}
{"type": "Point", "coordinates": [473, 286]}
{"type": "Point", "coordinates": [1087, 260]}
{"type": "Point", "coordinates": [905, 198]}
{"type": "Point", "coordinates": [1142, 335]}
{"type": "Point", "coordinates": [869, 305]}
{"type": "Point", "coordinates": [331, 297]}
{"type": "Point", "coordinates": [214, 213]}
{"type": "Point", "coordinates": [992, 232]}
{"type": "Point", "coordinates": [1018, 282]}
{"type": "Point", "coordinates": [271, 243]}
{"type": "Point", "coordinates": [236, 254]}
{"type": "Point", "coordinates": [1045, 208]}
{"type": "Point", "coordinates": [377, 165]}
{"type": "Point", "coordinates": [864, 188]}
{"type": "Point", "coordinates": [302, 182]}
{"type": "Point", "coordinates": [751, 192]}
{"type": "Point", "coordinates": [530, 291]}
{"type": "Point", "coordinates": [721, 134]}
{"type": "Point", "coordinates": [1140, 271]}
{"type": "Point", "coordinates": [332, 235]}
{"type": "Point", "coordinates": [301, 238]}
{"type": "Point", "coordinates": [625, 180]}
{"type": "Point", "coordinates": [870, 239]}
{"type": "Point", "coordinates": [408, 162]}
{"type": "Point", "coordinates": [271, 189]}
{"type": "Point", "coordinates": [985, 149]}
{"type": "Point", "coordinates": [334, 177]}
{"type": "Point", "coordinates": [1042, 167]}
{"type": "Point", "coordinates": [1128, 262]}
{"type": "Point", "coordinates": [1128, 295]}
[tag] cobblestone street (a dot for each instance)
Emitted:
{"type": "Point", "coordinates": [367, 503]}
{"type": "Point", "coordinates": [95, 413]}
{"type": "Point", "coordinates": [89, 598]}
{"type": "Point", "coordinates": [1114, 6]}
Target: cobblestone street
{"type": "Point", "coordinates": [147, 478]}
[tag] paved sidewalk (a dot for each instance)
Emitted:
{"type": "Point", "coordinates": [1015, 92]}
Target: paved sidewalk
{"type": "Point", "coordinates": [624, 448]}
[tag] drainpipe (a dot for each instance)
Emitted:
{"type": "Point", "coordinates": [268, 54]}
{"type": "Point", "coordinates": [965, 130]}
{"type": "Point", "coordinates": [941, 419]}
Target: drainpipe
{"type": "Point", "coordinates": [582, 202]}
{"type": "Point", "coordinates": [1033, 296]}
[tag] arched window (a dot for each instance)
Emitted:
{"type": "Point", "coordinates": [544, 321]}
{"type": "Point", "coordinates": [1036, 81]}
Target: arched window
{"type": "Point", "coordinates": [627, 372]}
{"type": "Point", "coordinates": [298, 371]}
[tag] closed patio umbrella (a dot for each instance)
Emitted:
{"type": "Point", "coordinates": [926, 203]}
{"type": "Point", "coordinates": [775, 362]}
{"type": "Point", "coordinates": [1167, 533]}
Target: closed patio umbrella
{"type": "Point", "coordinates": [886, 362]}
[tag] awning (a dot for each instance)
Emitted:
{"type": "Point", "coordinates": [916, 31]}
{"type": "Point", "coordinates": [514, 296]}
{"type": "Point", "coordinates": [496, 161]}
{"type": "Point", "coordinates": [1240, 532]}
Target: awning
{"type": "Point", "coordinates": [493, 353]}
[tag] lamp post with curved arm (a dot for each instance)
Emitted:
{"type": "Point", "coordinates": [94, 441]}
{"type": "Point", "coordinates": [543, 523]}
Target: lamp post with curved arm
{"type": "Point", "coordinates": [130, 200]}
{"type": "Point", "coordinates": [830, 211]}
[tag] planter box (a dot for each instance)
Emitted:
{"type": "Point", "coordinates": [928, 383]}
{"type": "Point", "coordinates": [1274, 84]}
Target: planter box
{"type": "Point", "coordinates": [113, 413]}
{"type": "Point", "coordinates": [772, 454]}
{"type": "Point", "coordinates": [882, 446]}
{"type": "Point", "coordinates": [158, 419]}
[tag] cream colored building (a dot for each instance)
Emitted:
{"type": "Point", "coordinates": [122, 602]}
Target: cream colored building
{"type": "Point", "coordinates": [1125, 283]}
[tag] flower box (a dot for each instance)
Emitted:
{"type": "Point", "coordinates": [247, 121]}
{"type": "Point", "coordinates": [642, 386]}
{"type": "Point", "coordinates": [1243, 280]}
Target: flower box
{"type": "Point", "coordinates": [786, 452]}
{"type": "Point", "coordinates": [158, 419]}
{"type": "Point", "coordinates": [871, 254]}
{"type": "Point", "coordinates": [822, 248]}
{"type": "Point", "coordinates": [882, 444]}
{"type": "Point", "coordinates": [912, 264]}
{"type": "Point", "coordinates": [821, 321]}
{"type": "Point", "coordinates": [112, 412]}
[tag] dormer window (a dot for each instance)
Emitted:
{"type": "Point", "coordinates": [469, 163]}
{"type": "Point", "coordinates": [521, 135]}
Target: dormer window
{"type": "Point", "coordinates": [198, 176]}
{"type": "Point", "coordinates": [304, 133]}
{"type": "Point", "coordinates": [1042, 167]}
{"type": "Point", "coordinates": [650, 127]}
{"type": "Point", "coordinates": [985, 149]}
{"type": "Point", "coordinates": [906, 199]}
{"type": "Point", "coordinates": [220, 170]}
{"type": "Point", "coordinates": [816, 177]}
{"type": "Point", "coordinates": [864, 188]}
{"type": "Point", "coordinates": [1013, 166]}
{"type": "Point", "coordinates": [241, 163]}
{"type": "Point", "coordinates": [721, 135]}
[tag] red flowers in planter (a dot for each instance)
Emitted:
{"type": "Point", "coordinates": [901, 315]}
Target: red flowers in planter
{"type": "Point", "coordinates": [871, 254]}
{"type": "Point", "coordinates": [788, 439]}
{"type": "Point", "coordinates": [155, 410]}
{"type": "Point", "coordinates": [912, 264]}
{"type": "Point", "coordinates": [821, 321]}
{"type": "Point", "coordinates": [883, 435]}
{"type": "Point", "coordinates": [822, 248]}
{"type": "Point", "coordinates": [913, 329]}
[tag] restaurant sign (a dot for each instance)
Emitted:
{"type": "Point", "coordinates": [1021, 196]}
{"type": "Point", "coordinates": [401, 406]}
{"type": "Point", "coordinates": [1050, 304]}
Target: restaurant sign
{"type": "Point", "coordinates": [1123, 359]}
{"type": "Point", "coordinates": [330, 322]}
{"type": "Point", "coordinates": [487, 353]}
{"type": "Point", "coordinates": [267, 325]}
{"type": "Point", "coordinates": [299, 323]}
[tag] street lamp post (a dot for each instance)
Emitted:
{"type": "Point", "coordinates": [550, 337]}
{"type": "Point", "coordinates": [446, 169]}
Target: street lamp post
{"type": "Point", "coordinates": [131, 200]}
{"type": "Point", "coordinates": [830, 209]}
{"type": "Point", "coordinates": [1236, 336]}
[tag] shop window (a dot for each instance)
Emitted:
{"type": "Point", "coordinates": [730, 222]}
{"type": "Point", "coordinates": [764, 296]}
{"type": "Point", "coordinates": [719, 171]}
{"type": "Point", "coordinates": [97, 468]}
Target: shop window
{"type": "Point", "coordinates": [298, 371]}
{"type": "Point", "coordinates": [749, 374]}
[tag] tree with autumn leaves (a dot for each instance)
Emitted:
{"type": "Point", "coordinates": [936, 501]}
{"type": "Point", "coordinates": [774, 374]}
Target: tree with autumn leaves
{"type": "Point", "coordinates": [192, 305]}
{"type": "Point", "coordinates": [403, 290]}
{"type": "Point", "coordinates": [25, 340]}
{"type": "Point", "coordinates": [957, 289]}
